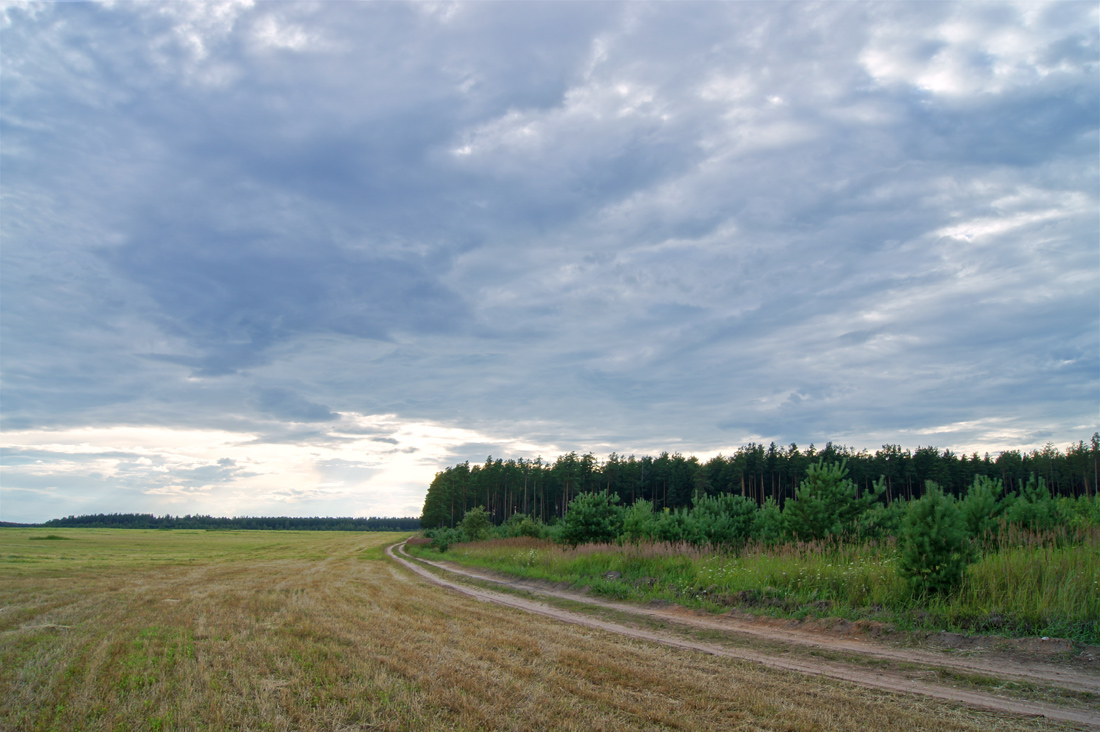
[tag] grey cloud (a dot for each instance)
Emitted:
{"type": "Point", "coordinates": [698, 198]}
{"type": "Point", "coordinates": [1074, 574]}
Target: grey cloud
{"type": "Point", "coordinates": [475, 452]}
{"type": "Point", "coordinates": [233, 300]}
{"type": "Point", "coordinates": [288, 405]}
{"type": "Point", "coordinates": [856, 337]}
{"type": "Point", "coordinates": [293, 434]}
{"type": "Point", "coordinates": [13, 456]}
{"type": "Point", "coordinates": [578, 223]}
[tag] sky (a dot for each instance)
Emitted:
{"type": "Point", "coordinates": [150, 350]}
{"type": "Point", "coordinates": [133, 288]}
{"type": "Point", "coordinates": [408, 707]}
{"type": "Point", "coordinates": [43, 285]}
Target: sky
{"type": "Point", "coordinates": [283, 258]}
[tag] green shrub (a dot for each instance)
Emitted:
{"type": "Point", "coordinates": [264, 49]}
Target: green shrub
{"type": "Point", "coordinates": [982, 508]}
{"type": "Point", "coordinates": [827, 504]}
{"type": "Point", "coordinates": [520, 524]}
{"type": "Point", "coordinates": [672, 526]}
{"type": "Point", "coordinates": [476, 524]}
{"type": "Point", "coordinates": [934, 548]}
{"type": "Point", "coordinates": [1081, 512]}
{"type": "Point", "coordinates": [723, 520]}
{"type": "Point", "coordinates": [767, 524]}
{"type": "Point", "coordinates": [1034, 508]}
{"type": "Point", "coordinates": [882, 520]}
{"type": "Point", "coordinates": [443, 537]}
{"type": "Point", "coordinates": [592, 517]}
{"type": "Point", "coordinates": [553, 531]}
{"type": "Point", "coordinates": [639, 522]}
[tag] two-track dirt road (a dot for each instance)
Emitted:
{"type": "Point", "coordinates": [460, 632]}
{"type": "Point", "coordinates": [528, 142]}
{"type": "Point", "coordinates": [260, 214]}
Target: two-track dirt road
{"type": "Point", "coordinates": [875, 665]}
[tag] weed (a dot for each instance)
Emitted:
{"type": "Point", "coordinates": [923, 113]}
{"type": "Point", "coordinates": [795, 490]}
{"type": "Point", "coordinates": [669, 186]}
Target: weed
{"type": "Point", "coordinates": [1024, 583]}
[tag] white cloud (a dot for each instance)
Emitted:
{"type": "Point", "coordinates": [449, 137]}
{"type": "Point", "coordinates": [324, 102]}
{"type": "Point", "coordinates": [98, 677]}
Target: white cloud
{"type": "Point", "coordinates": [271, 31]}
{"type": "Point", "coordinates": [346, 471]}
{"type": "Point", "coordinates": [200, 24]}
{"type": "Point", "coordinates": [972, 49]}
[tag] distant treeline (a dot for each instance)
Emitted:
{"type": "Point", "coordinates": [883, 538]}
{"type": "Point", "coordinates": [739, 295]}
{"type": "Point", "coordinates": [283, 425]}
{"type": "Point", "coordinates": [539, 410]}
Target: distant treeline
{"type": "Point", "coordinates": [543, 489]}
{"type": "Point", "coordinates": [266, 523]}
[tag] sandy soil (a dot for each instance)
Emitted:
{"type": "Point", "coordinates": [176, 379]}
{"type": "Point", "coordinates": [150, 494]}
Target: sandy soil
{"type": "Point", "coordinates": [1012, 663]}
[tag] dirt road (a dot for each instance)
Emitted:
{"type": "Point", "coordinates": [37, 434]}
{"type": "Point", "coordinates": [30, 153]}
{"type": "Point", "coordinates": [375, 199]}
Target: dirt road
{"type": "Point", "coordinates": [893, 680]}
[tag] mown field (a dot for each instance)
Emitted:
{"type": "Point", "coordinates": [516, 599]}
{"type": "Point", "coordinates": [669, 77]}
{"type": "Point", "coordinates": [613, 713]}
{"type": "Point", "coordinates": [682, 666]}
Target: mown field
{"type": "Point", "coordinates": [178, 630]}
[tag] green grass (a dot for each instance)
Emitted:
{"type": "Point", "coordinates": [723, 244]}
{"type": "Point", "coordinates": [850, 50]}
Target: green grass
{"type": "Point", "coordinates": [1041, 585]}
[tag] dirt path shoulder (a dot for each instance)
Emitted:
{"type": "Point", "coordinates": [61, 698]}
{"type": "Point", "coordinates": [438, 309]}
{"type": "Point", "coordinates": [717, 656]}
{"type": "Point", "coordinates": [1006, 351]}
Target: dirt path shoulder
{"type": "Point", "coordinates": [1000, 667]}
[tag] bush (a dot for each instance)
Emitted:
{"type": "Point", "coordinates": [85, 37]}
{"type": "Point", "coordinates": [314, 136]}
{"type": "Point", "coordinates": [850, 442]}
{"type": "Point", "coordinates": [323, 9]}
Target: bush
{"type": "Point", "coordinates": [982, 507]}
{"type": "Point", "coordinates": [767, 525]}
{"type": "Point", "coordinates": [1080, 512]}
{"type": "Point", "coordinates": [442, 538]}
{"type": "Point", "coordinates": [553, 531]}
{"type": "Point", "coordinates": [672, 526]}
{"type": "Point", "coordinates": [722, 520]}
{"type": "Point", "coordinates": [592, 517]}
{"type": "Point", "coordinates": [523, 525]}
{"type": "Point", "coordinates": [476, 524]}
{"type": "Point", "coordinates": [827, 504]}
{"type": "Point", "coordinates": [1034, 508]}
{"type": "Point", "coordinates": [639, 522]}
{"type": "Point", "coordinates": [881, 520]}
{"type": "Point", "coordinates": [934, 547]}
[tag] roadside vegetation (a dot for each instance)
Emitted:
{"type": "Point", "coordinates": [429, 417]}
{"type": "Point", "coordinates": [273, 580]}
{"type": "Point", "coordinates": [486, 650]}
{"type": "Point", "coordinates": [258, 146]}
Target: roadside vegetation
{"type": "Point", "coordinates": [985, 560]}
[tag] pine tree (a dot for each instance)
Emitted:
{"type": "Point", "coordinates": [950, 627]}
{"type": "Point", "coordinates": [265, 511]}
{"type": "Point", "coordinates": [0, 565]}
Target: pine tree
{"type": "Point", "coordinates": [592, 517]}
{"type": "Point", "coordinates": [827, 503]}
{"type": "Point", "coordinates": [934, 547]}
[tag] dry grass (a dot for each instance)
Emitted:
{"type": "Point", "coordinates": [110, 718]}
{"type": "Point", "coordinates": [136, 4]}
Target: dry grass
{"type": "Point", "coordinates": [138, 630]}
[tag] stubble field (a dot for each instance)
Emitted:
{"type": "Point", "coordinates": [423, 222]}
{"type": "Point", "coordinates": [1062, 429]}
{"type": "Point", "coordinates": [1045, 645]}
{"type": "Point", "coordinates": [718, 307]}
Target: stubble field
{"type": "Point", "coordinates": [159, 630]}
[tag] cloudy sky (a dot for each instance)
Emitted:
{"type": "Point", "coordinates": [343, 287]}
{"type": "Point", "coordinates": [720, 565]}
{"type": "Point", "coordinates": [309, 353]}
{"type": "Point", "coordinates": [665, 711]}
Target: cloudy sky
{"type": "Point", "coordinates": [294, 258]}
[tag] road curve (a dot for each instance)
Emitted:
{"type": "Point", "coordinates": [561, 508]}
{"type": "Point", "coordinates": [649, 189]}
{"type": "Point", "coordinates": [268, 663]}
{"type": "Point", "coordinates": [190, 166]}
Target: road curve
{"type": "Point", "coordinates": [884, 680]}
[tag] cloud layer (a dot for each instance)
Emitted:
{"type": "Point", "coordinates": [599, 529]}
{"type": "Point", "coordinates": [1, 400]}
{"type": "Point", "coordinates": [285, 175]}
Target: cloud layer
{"type": "Point", "coordinates": [527, 228]}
